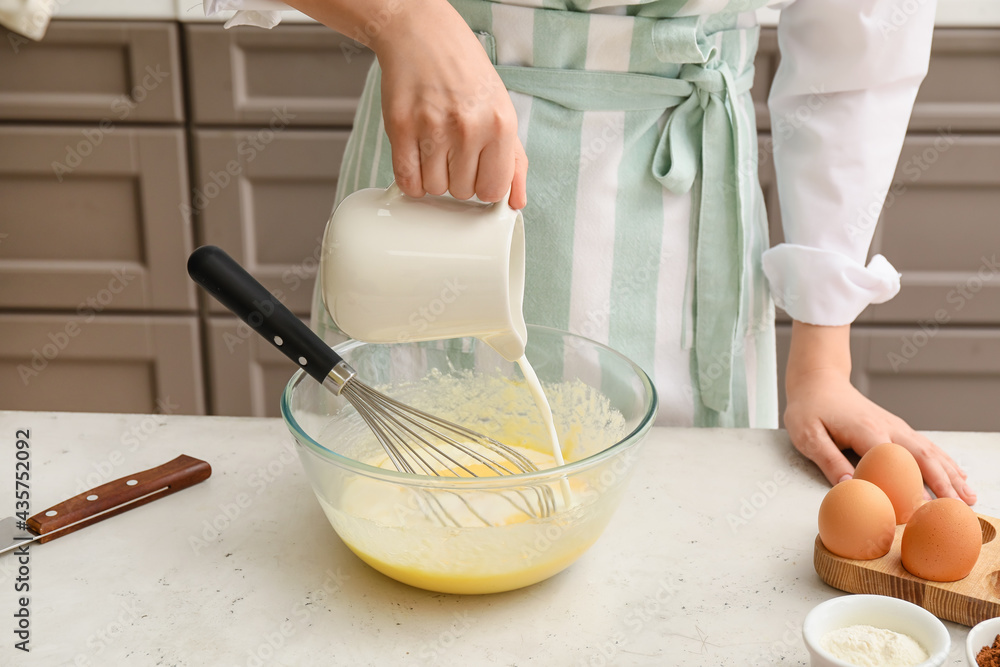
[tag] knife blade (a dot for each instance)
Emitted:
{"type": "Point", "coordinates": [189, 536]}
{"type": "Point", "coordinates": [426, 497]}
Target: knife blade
{"type": "Point", "coordinates": [102, 502]}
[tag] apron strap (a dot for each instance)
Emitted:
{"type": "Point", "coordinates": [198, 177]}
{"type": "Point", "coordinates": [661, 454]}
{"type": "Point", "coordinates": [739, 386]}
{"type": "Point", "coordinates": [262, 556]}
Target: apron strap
{"type": "Point", "coordinates": [705, 129]}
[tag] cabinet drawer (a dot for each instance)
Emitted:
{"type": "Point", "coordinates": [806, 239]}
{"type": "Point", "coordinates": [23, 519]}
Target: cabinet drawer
{"type": "Point", "coordinates": [92, 71]}
{"type": "Point", "coordinates": [248, 374]}
{"type": "Point", "coordinates": [266, 197]}
{"type": "Point", "coordinates": [311, 74]}
{"type": "Point", "coordinates": [939, 228]}
{"type": "Point", "coordinates": [82, 363]}
{"type": "Point", "coordinates": [962, 87]}
{"type": "Point", "coordinates": [91, 215]}
{"type": "Point", "coordinates": [941, 379]}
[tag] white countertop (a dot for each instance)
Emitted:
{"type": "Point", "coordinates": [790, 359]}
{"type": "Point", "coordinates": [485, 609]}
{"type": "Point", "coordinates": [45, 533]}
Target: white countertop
{"type": "Point", "coordinates": [952, 13]}
{"type": "Point", "coordinates": [676, 579]}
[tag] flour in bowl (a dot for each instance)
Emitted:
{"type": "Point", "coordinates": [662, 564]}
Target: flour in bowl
{"type": "Point", "coordinates": [867, 646]}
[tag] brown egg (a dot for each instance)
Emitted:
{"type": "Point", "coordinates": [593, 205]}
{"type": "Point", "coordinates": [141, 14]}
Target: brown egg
{"type": "Point", "coordinates": [942, 540]}
{"type": "Point", "coordinates": [856, 520]}
{"type": "Point", "coordinates": [893, 469]}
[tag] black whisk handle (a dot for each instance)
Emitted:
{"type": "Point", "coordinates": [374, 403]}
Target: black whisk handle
{"type": "Point", "coordinates": [222, 277]}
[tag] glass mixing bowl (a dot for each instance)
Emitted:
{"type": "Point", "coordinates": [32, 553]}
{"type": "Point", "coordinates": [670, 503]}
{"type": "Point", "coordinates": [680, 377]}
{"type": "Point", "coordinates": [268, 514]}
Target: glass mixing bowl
{"type": "Point", "coordinates": [603, 405]}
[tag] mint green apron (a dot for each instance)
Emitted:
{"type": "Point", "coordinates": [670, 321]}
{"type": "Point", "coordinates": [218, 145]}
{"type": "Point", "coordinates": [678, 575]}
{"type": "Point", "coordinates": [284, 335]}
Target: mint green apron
{"type": "Point", "coordinates": [683, 139]}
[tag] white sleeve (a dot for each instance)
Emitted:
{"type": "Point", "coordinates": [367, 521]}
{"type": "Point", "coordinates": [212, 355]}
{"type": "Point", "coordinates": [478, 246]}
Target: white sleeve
{"type": "Point", "coordinates": [840, 103]}
{"type": "Point", "coordinates": [260, 13]}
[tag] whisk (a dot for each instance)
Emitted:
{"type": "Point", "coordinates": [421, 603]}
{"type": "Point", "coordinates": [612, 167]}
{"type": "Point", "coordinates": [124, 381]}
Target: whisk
{"type": "Point", "coordinates": [416, 442]}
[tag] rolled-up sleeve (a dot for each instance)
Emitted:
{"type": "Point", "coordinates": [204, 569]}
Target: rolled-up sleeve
{"type": "Point", "coordinates": [840, 103]}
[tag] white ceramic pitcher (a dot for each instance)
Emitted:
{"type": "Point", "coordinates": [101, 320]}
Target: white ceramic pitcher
{"type": "Point", "coordinates": [395, 268]}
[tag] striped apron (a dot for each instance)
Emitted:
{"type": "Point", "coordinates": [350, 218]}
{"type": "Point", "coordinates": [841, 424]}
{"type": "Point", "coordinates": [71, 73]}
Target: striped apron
{"type": "Point", "coordinates": [645, 221]}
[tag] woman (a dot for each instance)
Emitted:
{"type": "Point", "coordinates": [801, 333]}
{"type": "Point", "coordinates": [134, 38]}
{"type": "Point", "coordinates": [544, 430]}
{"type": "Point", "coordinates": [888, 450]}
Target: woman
{"type": "Point", "coordinates": [645, 226]}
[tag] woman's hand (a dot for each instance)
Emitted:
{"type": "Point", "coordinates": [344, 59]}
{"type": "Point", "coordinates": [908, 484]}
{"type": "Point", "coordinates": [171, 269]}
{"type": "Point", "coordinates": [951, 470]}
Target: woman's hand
{"type": "Point", "coordinates": [448, 116]}
{"type": "Point", "coordinates": [825, 413]}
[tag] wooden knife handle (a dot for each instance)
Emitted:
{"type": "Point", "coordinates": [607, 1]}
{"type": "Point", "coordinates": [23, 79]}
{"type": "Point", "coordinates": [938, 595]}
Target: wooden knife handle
{"type": "Point", "coordinates": [119, 496]}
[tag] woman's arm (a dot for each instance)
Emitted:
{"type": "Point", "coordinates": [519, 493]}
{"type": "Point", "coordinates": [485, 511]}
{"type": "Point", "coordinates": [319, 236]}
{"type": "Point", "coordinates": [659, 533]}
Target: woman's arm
{"type": "Point", "coordinates": [447, 114]}
{"type": "Point", "coordinates": [840, 104]}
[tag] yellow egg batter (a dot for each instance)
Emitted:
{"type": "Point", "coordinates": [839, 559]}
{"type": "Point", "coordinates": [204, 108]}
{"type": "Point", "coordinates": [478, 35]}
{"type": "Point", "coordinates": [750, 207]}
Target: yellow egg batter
{"type": "Point", "coordinates": [489, 542]}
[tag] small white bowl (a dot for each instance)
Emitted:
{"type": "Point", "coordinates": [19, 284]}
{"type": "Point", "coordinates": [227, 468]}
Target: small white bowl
{"type": "Point", "coordinates": [980, 636]}
{"type": "Point", "coordinates": [878, 611]}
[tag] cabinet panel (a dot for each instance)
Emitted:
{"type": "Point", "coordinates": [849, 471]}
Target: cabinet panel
{"type": "Point", "coordinates": [940, 227]}
{"type": "Point", "coordinates": [92, 71]}
{"type": "Point", "coordinates": [101, 364]}
{"type": "Point", "coordinates": [311, 74]}
{"type": "Point", "coordinates": [247, 373]}
{"type": "Point", "coordinates": [962, 86]}
{"type": "Point", "coordinates": [93, 219]}
{"type": "Point", "coordinates": [269, 207]}
{"type": "Point", "coordinates": [943, 379]}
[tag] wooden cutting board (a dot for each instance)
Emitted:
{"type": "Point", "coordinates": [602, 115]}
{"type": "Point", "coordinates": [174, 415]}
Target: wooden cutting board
{"type": "Point", "coordinates": [967, 601]}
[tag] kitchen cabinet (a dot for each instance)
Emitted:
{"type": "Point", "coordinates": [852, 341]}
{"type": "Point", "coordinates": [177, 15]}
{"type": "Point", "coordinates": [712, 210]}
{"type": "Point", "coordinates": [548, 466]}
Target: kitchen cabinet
{"type": "Point", "coordinates": [93, 71]}
{"type": "Point", "coordinates": [103, 230]}
{"type": "Point", "coordinates": [248, 374]}
{"type": "Point", "coordinates": [92, 363]}
{"type": "Point", "coordinates": [934, 377]}
{"type": "Point", "coordinates": [197, 135]}
{"type": "Point", "coordinates": [244, 76]}
{"type": "Point", "coordinates": [266, 197]}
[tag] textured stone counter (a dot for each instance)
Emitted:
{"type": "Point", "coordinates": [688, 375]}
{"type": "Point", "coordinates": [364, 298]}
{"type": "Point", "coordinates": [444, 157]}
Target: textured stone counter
{"type": "Point", "coordinates": [708, 561]}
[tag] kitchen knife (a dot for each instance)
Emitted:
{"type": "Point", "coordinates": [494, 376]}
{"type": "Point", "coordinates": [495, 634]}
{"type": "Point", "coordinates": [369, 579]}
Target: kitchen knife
{"type": "Point", "coordinates": [102, 502]}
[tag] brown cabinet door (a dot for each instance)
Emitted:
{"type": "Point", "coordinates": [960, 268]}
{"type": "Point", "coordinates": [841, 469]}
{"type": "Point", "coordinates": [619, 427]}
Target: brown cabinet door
{"type": "Point", "coordinates": [108, 363]}
{"type": "Point", "coordinates": [93, 219]}
{"type": "Point", "coordinates": [248, 375]}
{"type": "Point", "coordinates": [962, 88]}
{"type": "Point", "coordinates": [935, 378]}
{"type": "Point", "coordinates": [265, 196]}
{"type": "Point", "coordinates": [122, 72]}
{"type": "Point", "coordinates": [940, 379]}
{"type": "Point", "coordinates": [310, 74]}
{"type": "Point", "coordinates": [940, 228]}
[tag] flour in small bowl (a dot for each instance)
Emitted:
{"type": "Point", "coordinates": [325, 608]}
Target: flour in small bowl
{"type": "Point", "coordinates": [867, 646]}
